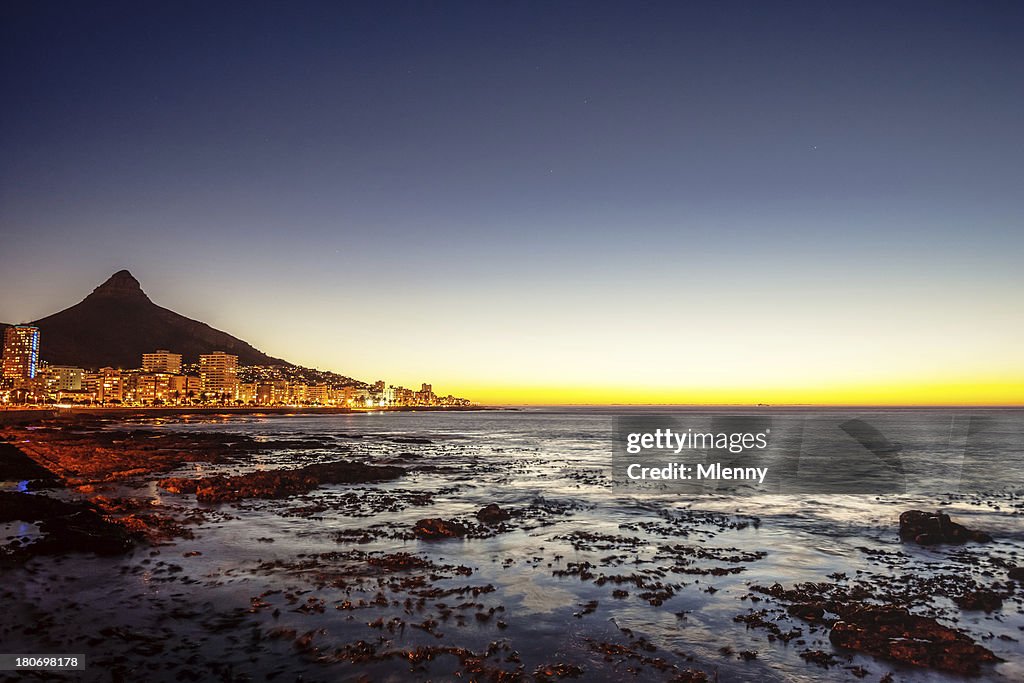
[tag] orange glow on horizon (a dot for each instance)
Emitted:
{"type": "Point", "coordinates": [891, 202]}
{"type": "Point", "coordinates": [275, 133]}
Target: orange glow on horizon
{"type": "Point", "coordinates": [1000, 392]}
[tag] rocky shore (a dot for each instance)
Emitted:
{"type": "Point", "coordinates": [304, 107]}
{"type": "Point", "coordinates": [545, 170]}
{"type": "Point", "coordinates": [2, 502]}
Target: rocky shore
{"type": "Point", "coordinates": [402, 567]}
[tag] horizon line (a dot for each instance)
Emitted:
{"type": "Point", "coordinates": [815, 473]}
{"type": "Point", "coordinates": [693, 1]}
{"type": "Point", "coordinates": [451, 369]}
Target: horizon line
{"type": "Point", "coordinates": [757, 405]}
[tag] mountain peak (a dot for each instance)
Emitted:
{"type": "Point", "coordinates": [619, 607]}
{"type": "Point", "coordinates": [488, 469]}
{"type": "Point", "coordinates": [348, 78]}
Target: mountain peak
{"type": "Point", "coordinates": [118, 323]}
{"type": "Point", "coordinates": [122, 285]}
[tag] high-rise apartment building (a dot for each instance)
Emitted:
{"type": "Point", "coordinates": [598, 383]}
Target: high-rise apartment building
{"type": "Point", "coordinates": [162, 361]}
{"type": "Point", "coordinates": [106, 386]}
{"type": "Point", "coordinates": [317, 393]}
{"type": "Point", "coordinates": [21, 352]}
{"type": "Point", "coordinates": [272, 393]}
{"type": "Point", "coordinates": [218, 373]}
{"type": "Point", "coordinates": [151, 387]}
{"type": "Point", "coordinates": [62, 377]}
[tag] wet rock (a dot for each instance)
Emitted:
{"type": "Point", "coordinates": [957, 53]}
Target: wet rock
{"type": "Point", "coordinates": [588, 608]}
{"type": "Point", "coordinates": [156, 528]}
{"type": "Point", "coordinates": [434, 527]}
{"type": "Point", "coordinates": [179, 485]}
{"type": "Point", "coordinates": [894, 633]}
{"type": "Point", "coordinates": [819, 657]}
{"type": "Point", "coordinates": [16, 466]}
{"type": "Point", "coordinates": [85, 452]}
{"type": "Point", "coordinates": [84, 531]}
{"type": "Point", "coordinates": [412, 440]}
{"type": "Point", "coordinates": [492, 514]}
{"type": "Point", "coordinates": [1016, 573]}
{"type": "Point", "coordinates": [980, 600]}
{"type": "Point", "coordinates": [811, 612]}
{"type": "Point", "coordinates": [279, 483]}
{"type": "Point", "coordinates": [928, 528]}
{"type": "Point", "coordinates": [67, 527]}
{"type": "Point", "coordinates": [397, 562]}
{"type": "Point", "coordinates": [761, 619]}
{"type": "Point", "coordinates": [553, 671]}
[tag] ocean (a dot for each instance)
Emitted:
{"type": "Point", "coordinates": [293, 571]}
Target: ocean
{"type": "Point", "coordinates": [608, 581]}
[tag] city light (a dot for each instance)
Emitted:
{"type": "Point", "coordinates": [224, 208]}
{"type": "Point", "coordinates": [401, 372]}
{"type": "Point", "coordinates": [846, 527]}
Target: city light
{"type": "Point", "coordinates": [163, 380]}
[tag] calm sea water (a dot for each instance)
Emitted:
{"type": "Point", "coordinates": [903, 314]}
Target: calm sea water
{"type": "Point", "coordinates": [557, 463]}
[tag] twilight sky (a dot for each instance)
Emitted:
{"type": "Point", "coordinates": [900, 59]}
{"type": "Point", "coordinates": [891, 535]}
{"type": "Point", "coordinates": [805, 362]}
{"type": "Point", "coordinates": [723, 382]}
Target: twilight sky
{"type": "Point", "coordinates": [539, 202]}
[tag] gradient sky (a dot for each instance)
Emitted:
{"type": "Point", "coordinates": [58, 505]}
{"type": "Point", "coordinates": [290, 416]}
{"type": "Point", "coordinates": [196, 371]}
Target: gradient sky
{"type": "Point", "coordinates": [539, 202]}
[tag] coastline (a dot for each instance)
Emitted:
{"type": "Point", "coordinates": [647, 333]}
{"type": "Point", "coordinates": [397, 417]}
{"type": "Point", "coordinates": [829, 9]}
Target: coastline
{"type": "Point", "coordinates": [25, 415]}
{"type": "Point", "coordinates": [170, 516]}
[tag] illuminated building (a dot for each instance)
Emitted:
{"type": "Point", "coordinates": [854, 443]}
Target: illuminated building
{"type": "Point", "coordinates": [184, 388]}
{"type": "Point", "coordinates": [265, 394]}
{"type": "Point", "coordinates": [21, 352]}
{"type": "Point", "coordinates": [272, 393]}
{"type": "Point", "coordinates": [400, 396]}
{"type": "Point", "coordinates": [343, 395]}
{"type": "Point", "coordinates": [152, 387]}
{"type": "Point", "coordinates": [247, 393]}
{"type": "Point", "coordinates": [297, 393]}
{"type": "Point", "coordinates": [105, 386]}
{"type": "Point", "coordinates": [218, 374]}
{"type": "Point", "coordinates": [425, 396]}
{"type": "Point", "coordinates": [62, 378]}
{"type": "Point", "coordinates": [162, 361]}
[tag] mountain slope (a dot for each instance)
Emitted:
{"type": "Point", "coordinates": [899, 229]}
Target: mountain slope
{"type": "Point", "coordinates": [117, 323]}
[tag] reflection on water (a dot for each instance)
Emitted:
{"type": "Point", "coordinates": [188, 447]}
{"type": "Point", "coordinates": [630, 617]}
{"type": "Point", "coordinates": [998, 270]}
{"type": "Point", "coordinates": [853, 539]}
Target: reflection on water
{"type": "Point", "coordinates": [558, 464]}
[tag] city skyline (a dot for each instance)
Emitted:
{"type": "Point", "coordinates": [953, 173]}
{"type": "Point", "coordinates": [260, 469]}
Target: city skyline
{"type": "Point", "coordinates": [568, 203]}
{"type": "Point", "coordinates": [216, 379]}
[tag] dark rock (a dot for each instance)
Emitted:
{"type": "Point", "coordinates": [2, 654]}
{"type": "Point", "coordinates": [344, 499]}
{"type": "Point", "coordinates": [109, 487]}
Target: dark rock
{"type": "Point", "coordinates": [1016, 573]}
{"type": "Point", "coordinates": [434, 527]}
{"type": "Point", "coordinates": [279, 483]}
{"type": "Point", "coordinates": [84, 532]}
{"type": "Point", "coordinates": [552, 671]}
{"type": "Point", "coordinates": [895, 633]}
{"type": "Point", "coordinates": [811, 612]}
{"type": "Point", "coordinates": [16, 466]}
{"type": "Point", "coordinates": [492, 514]}
{"type": "Point", "coordinates": [88, 453]}
{"type": "Point", "coordinates": [67, 527]}
{"type": "Point", "coordinates": [179, 484]}
{"type": "Point", "coordinates": [819, 657]}
{"type": "Point", "coordinates": [928, 528]}
{"type": "Point", "coordinates": [980, 600]}
{"type": "Point", "coordinates": [32, 508]}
